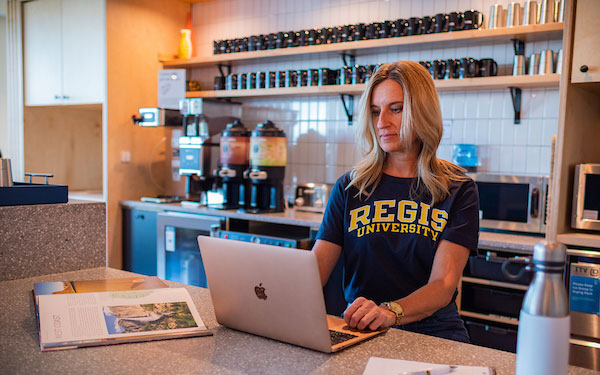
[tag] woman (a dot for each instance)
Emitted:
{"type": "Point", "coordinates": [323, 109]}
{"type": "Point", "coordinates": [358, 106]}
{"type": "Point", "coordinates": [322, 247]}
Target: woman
{"type": "Point", "coordinates": [403, 220]}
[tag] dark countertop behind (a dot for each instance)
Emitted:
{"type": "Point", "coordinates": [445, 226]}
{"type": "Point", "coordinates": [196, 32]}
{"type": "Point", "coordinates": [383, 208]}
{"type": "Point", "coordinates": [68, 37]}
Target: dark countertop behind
{"type": "Point", "coordinates": [489, 240]}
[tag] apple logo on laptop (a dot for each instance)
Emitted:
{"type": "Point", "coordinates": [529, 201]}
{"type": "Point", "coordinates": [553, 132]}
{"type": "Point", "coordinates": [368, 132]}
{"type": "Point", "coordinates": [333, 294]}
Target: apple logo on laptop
{"type": "Point", "coordinates": [260, 291]}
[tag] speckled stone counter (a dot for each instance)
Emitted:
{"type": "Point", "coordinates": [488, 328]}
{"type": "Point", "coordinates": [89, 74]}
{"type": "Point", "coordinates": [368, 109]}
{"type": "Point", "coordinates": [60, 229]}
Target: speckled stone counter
{"type": "Point", "coordinates": [226, 352]}
{"type": "Point", "coordinates": [489, 240]}
{"type": "Point", "coordinates": [51, 238]}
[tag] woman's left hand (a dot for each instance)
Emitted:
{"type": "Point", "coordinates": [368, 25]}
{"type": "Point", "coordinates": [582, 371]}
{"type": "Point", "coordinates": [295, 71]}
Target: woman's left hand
{"type": "Point", "coordinates": [364, 313]}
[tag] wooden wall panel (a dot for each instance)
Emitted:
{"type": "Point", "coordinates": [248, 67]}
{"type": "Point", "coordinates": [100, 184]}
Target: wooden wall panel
{"type": "Point", "coordinates": [137, 32]}
{"type": "Point", "coordinates": [67, 142]}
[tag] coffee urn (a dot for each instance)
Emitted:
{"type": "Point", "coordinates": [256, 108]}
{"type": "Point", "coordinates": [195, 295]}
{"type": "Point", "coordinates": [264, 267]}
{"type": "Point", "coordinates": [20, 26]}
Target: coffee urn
{"type": "Point", "coordinates": [268, 156]}
{"type": "Point", "coordinates": [234, 160]}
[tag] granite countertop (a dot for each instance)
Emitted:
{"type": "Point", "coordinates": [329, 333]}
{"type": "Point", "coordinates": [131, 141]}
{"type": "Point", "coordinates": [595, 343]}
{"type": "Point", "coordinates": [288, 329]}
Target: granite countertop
{"type": "Point", "coordinates": [489, 240]}
{"type": "Point", "coordinates": [226, 352]}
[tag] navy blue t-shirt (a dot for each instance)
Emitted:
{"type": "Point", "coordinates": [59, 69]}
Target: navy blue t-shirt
{"type": "Point", "coordinates": [389, 240]}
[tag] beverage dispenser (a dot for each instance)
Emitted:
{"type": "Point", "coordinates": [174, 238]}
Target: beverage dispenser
{"type": "Point", "coordinates": [235, 149]}
{"type": "Point", "coordinates": [203, 121]}
{"type": "Point", "coordinates": [268, 156]}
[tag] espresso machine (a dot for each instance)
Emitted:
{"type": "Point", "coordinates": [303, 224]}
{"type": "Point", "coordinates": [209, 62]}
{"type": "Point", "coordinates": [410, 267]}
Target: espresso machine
{"type": "Point", "coordinates": [268, 156]}
{"type": "Point", "coordinates": [234, 160]}
{"type": "Point", "coordinates": [203, 120]}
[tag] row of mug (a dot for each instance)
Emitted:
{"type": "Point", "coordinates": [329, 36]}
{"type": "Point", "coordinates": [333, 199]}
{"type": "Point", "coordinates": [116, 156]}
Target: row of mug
{"type": "Point", "coordinates": [530, 13]}
{"type": "Point", "coordinates": [467, 67]}
{"type": "Point", "coordinates": [545, 62]}
{"type": "Point", "coordinates": [296, 78]}
{"type": "Point", "coordinates": [442, 22]}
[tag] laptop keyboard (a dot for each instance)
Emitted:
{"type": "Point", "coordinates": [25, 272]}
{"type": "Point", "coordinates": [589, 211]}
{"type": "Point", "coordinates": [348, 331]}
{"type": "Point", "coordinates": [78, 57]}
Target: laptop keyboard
{"type": "Point", "coordinates": [338, 337]}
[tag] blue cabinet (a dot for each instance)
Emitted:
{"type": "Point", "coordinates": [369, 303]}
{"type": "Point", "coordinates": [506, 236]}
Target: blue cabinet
{"type": "Point", "coordinates": [139, 241]}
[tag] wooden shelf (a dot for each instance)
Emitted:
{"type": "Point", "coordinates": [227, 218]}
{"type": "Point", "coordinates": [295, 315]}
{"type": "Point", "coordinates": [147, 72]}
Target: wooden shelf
{"type": "Point", "coordinates": [580, 239]}
{"type": "Point", "coordinates": [481, 83]}
{"type": "Point", "coordinates": [458, 38]}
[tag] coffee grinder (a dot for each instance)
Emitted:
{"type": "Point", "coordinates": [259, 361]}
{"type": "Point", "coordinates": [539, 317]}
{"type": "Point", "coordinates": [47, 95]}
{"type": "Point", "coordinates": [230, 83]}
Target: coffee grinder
{"type": "Point", "coordinates": [268, 156]}
{"type": "Point", "coordinates": [198, 152]}
{"type": "Point", "coordinates": [235, 149]}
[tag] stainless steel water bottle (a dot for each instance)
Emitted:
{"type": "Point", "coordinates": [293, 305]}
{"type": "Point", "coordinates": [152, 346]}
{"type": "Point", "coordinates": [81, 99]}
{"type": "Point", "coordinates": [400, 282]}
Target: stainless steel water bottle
{"type": "Point", "coordinates": [544, 323]}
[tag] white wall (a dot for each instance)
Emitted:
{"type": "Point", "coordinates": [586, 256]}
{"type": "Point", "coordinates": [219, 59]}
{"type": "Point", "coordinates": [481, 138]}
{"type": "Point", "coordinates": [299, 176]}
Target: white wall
{"type": "Point", "coordinates": [321, 145]}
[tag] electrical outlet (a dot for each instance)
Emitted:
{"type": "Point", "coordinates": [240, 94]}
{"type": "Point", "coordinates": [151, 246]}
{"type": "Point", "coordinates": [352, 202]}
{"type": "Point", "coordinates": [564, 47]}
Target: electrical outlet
{"type": "Point", "coordinates": [125, 157]}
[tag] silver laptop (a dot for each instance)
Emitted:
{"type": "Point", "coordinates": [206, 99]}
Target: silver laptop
{"type": "Point", "coordinates": [274, 292]}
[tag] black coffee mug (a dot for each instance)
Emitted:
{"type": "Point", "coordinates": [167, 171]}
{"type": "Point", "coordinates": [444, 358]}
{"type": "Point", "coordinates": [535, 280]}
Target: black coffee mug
{"type": "Point", "coordinates": [336, 34]}
{"type": "Point", "coordinates": [347, 33]}
{"type": "Point", "coordinates": [272, 42]}
{"type": "Point", "coordinates": [325, 35]}
{"type": "Point", "coordinates": [438, 69]}
{"type": "Point", "coordinates": [261, 80]}
{"type": "Point", "coordinates": [291, 78]}
{"type": "Point", "coordinates": [327, 76]}
{"type": "Point", "coordinates": [373, 30]}
{"type": "Point", "coordinates": [252, 43]}
{"type": "Point", "coordinates": [426, 65]}
{"type": "Point", "coordinates": [219, 83]}
{"type": "Point", "coordinates": [312, 37]}
{"type": "Point", "coordinates": [428, 25]}
{"type": "Point", "coordinates": [302, 78]}
{"type": "Point", "coordinates": [386, 30]}
{"type": "Point", "coordinates": [270, 81]}
{"type": "Point", "coordinates": [312, 77]}
{"type": "Point", "coordinates": [473, 19]}
{"type": "Point", "coordinates": [400, 27]}
{"type": "Point", "coordinates": [292, 39]}
{"type": "Point", "coordinates": [302, 38]}
{"type": "Point", "coordinates": [345, 75]}
{"type": "Point", "coordinates": [441, 23]}
{"type": "Point", "coordinates": [359, 31]}
{"type": "Point", "coordinates": [216, 47]}
{"type": "Point", "coordinates": [359, 74]}
{"type": "Point", "coordinates": [488, 68]}
{"type": "Point", "coordinates": [241, 81]}
{"type": "Point", "coordinates": [231, 82]}
{"type": "Point", "coordinates": [452, 69]}
{"type": "Point", "coordinates": [235, 45]}
{"type": "Point", "coordinates": [415, 26]}
{"type": "Point", "coordinates": [251, 81]}
{"type": "Point", "coordinates": [281, 40]}
{"type": "Point", "coordinates": [469, 67]}
{"type": "Point", "coordinates": [280, 78]}
{"type": "Point", "coordinates": [244, 45]}
{"type": "Point", "coordinates": [456, 21]}
{"type": "Point", "coordinates": [261, 42]}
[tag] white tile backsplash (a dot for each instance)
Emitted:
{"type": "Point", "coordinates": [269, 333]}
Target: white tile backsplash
{"type": "Point", "coordinates": [320, 141]}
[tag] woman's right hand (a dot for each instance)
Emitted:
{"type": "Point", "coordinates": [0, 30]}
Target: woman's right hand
{"type": "Point", "coordinates": [365, 314]}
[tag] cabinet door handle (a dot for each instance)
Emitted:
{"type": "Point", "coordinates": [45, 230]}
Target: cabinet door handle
{"type": "Point", "coordinates": [140, 217]}
{"type": "Point", "coordinates": [65, 97]}
{"type": "Point", "coordinates": [583, 68]}
{"type": "Point", "coordinates": [535, 203]}
{"type": "Point", "coordinates": [57, 96]}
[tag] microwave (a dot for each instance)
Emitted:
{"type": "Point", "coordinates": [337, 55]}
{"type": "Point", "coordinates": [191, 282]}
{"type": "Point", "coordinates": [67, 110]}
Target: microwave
{"type": "Point", "coordinates": [586, 197]}
{"type": "Point", "coordinates": [512, 203]}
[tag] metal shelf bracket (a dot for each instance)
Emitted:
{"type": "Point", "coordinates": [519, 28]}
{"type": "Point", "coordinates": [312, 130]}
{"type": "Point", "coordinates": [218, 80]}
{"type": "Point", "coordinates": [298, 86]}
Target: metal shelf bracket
{"type": "Point", "coordinates": [351, 59]}
{"type": "Point", "coordinates": [221, 66]}
{"type": "Point", "coordinates": [519, 46]}
{"type": "Point", "coordinates": [348, 107]}
{"type": "Point", "coordinates": [515, 94]}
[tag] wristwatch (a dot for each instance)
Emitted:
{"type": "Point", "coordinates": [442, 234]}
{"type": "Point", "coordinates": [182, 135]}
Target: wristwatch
{"type": "Point", "coordinates": [396, 309]}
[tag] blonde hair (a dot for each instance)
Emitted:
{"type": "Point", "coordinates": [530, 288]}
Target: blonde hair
{"type": "Point", "coordinates": [421, 116]}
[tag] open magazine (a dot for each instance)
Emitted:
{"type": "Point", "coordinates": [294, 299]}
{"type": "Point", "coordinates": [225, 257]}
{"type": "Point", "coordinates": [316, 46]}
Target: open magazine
{"type": "Point", "coordinates": [77, 316]}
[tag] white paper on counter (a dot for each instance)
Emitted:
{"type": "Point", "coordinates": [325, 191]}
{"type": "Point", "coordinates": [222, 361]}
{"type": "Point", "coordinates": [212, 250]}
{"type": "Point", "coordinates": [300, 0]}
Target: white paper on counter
{"type": "Point", "coordinates": [385, 366]}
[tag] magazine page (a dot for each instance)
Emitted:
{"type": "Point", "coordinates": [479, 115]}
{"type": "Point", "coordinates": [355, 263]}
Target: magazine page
{"type": "Point", "coordinates": [383, 366]}
{"type": "Point", "coordinates": [106, 317]}
{"type": "Point", "coordinates": [103, 285]}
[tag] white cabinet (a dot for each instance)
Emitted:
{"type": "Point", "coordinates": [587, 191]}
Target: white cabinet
{"type": "Point", "coordinates": [64, 51]}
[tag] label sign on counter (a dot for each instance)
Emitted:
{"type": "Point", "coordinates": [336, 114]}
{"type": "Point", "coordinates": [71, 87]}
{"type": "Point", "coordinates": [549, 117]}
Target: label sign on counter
{"type": "Point", "coordinates": [584, 288]}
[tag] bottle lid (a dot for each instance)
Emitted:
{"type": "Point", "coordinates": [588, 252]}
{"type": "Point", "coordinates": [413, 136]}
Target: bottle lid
{"type": "Point", "coordinates": [549, 255]}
